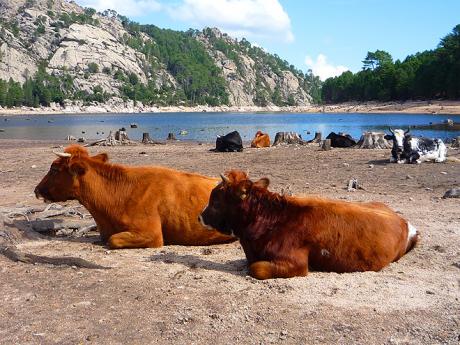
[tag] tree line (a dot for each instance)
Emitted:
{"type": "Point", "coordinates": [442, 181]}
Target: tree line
{"type": "Point", "coordinates": [431, 74]}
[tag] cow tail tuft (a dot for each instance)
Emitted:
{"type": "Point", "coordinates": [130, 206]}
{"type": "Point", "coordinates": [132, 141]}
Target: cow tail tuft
{"type": "Point", "coordinates": [412, 237]}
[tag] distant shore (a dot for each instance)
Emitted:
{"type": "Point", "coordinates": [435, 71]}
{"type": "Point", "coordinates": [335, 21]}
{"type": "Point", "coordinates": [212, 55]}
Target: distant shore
{"type": "Point", "coordinates": [410, 107]}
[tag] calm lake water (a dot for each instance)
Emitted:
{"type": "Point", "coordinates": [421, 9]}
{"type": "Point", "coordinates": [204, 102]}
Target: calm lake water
{"type": "Point", "coordinates": [206, 126]}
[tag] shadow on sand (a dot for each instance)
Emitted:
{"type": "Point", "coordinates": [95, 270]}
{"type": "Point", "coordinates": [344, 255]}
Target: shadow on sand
{"type": "Point", "coordinates": [235, 267]}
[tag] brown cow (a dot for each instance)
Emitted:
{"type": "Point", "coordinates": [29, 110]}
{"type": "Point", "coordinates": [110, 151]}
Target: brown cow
{"type": "Point", "coordinates": [261, 140]}
{"type": "Point", "coordinates": [281, 235]}
{"type": "Point", "coordinates": [134, 207]}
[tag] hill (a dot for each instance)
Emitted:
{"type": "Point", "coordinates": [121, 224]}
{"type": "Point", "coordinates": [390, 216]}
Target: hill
{"type": "Point", "coordinates": [57, 51]}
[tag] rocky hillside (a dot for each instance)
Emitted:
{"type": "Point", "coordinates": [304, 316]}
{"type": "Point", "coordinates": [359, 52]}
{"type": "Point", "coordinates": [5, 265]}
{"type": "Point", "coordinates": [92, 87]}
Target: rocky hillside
{"type": "Point", "coordinates": [54, 51]}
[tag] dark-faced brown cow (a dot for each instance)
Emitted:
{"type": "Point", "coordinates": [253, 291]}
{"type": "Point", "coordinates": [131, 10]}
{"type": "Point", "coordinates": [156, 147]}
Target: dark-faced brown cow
{"type": "Point", "coordinates": [134, 207]}
{"type": "Point", "coordinates": [282, 236]}
{"type": "Point", "coordinates": [261, 140]}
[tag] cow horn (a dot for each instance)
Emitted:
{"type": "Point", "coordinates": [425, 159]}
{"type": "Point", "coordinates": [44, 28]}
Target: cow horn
{"type": "Point", "coordinates": [392, 132]}
{"type": "Point", "coordinates": [407, 132]}
{"type": "Point", "coordinates": [62, 154]}
{"type": "Point", "coordinates": [225, 178]}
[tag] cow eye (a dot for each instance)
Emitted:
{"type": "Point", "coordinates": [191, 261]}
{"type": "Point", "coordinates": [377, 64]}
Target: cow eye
{"type": "Point", "coordinates": [54, 169]}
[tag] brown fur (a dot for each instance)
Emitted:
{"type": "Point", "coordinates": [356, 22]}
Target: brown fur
{"type": "Point", "coordinates": [134, 207]}
{"type": "Point", "coordinates": [282, 236]}
{"type": "Point", "coordinates": [261, 140]}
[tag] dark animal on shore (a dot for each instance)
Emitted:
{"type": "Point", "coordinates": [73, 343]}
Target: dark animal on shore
{"type": "Point", "coordinates": [408, 149]}
{"type": "Point", "coordinates": [134, 207]}
{"type": "Point", "coordinates": [261, 140]}
{"type": "Point", "coordinates": [282, 236]}
{"type": "Point", "coordinates": [338, 140]}
{"type": "Point", "coordinates": [230, 142]}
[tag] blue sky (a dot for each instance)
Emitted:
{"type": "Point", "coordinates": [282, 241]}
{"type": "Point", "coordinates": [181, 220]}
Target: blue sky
{"type": "Point", "coordinates": [328, 36]}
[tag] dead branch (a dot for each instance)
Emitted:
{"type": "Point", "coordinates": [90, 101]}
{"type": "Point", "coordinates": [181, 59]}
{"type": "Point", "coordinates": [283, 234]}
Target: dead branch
{"type": "Point", "coordinates": [14, 255]}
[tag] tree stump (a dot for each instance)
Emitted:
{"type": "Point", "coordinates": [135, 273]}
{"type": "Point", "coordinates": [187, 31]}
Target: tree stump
{"type": "Point", "coordinates": [171, 136]}
{"type": "Point", "coordinates": [288, 138]}
{"type": "Point", "coordinates": [373, 140]}
{"type": "Point", "coordinates": [121, 135]}
{"type": "Point", "coordinates": [326, 145]}
{"type": "Point", "coordinates": [317, 138]}
{"type": "Point", "coordinates": [146, 138]}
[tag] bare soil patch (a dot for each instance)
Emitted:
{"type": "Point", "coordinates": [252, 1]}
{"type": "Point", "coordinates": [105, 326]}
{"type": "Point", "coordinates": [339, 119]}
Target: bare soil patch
{"type": "Point", "coordinates": [202, 295]}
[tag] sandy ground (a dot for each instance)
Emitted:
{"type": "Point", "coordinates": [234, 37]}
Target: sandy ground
{"type": "Point", "coordinates": [408, 107]}
{"type": "Point", "coordinates": [202, 295]}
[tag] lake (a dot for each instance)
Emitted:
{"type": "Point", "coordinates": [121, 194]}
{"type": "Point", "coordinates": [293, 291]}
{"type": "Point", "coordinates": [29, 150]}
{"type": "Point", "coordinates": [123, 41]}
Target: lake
{"type": "Point", "coordinates": [206, 126]}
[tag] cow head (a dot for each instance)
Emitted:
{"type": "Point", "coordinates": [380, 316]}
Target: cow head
{"type": "Point", "coordinates": [62, 181]}
{"type": "Point", "coordinates": [227, 200]}
{"type": "Point", "coordinates": [398, 136]}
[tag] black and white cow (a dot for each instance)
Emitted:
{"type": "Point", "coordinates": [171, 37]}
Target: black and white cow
{"type": "Point", "coordinates": [408, 149]}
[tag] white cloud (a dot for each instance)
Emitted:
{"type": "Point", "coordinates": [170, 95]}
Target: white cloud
{"type": "Point", "coordinates": [322, 68]}
{"type": "Point", "coordinates": [239, 18]}
{"type": "Point", "coordinates": [124, 7]}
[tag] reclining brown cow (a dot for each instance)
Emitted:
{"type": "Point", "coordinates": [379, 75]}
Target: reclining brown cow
{"type": "Point", "coordinates": [134, 207]}
{"type": "Point", "coordinates": [260, 140]}
{"type": "Point", "coordinates": [281, 235]}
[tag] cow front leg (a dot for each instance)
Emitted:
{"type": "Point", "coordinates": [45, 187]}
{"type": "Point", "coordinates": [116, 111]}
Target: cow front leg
{"type": "Point", "coordinates": [277, 269]}
{"type": "Point", "coordinates": [295, 265]}
{"type": "Point", "coordinates": [129, 239]}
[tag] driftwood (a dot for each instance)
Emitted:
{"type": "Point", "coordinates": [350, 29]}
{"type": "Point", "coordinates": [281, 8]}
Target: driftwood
{"type": "Point", "coordinates": [326, 144]}
{"type": "Point", "coordinates": [287, 138]}
{"type": "Point", "coordinates": [316, 139]}
{"type": "Point", "coordinates": [13, 254]}
{"type": "Point", "coordinates": [40, 219]}
{"type": "Point", "coordinates": [373, 140]}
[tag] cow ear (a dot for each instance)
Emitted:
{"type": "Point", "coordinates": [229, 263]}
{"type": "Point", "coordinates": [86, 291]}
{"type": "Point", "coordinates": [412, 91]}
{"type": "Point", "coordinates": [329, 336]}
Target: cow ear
{"type": "Point", "coordinates": [77, 168]}
{"type": "Point", "coordinates": [262, 183]}
{"type": "Point", "coordinates": [103, 157]}
{"type": "Point", "coordinates": [388, 137]}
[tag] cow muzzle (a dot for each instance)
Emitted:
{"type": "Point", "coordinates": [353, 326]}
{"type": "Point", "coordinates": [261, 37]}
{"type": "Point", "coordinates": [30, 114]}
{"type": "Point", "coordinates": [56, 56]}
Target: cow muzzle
{"type": "Point", "coordinates": [201, 220]}
{"type": "Point", "coordinates": [42, 194]}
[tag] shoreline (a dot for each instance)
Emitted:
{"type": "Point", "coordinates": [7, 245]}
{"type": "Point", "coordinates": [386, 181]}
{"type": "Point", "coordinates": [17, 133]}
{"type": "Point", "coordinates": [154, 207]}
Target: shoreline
{"type": "Point", "coordinates": [410, 107]}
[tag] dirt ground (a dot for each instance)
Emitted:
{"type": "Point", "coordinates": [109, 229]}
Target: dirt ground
{"type": "Point", "coordinates": [202, 295]}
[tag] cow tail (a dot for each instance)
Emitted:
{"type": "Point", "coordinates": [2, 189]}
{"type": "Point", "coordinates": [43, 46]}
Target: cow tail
{"type": "Point", "coordinates": [412, 237]}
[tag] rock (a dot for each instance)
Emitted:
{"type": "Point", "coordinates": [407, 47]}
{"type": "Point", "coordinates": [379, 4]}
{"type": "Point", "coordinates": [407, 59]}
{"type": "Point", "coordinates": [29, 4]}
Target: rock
{"type": "Point", "coordinates": [133, 125]}
{"type": "Point", "coordinates": [70, 138]}
{"type": "Point", "coordinates": [171, 136]}
{"type": "Point", "coordinates": [183, 132]}
{"type": "Point", "coordinates": [353, 185]}
{"type": "Point", "coordinates": [449, 122]}
{"type": "Point", "coordinates": [452, 193]}
{"type": "Point", "coordinates": [81, 140]}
